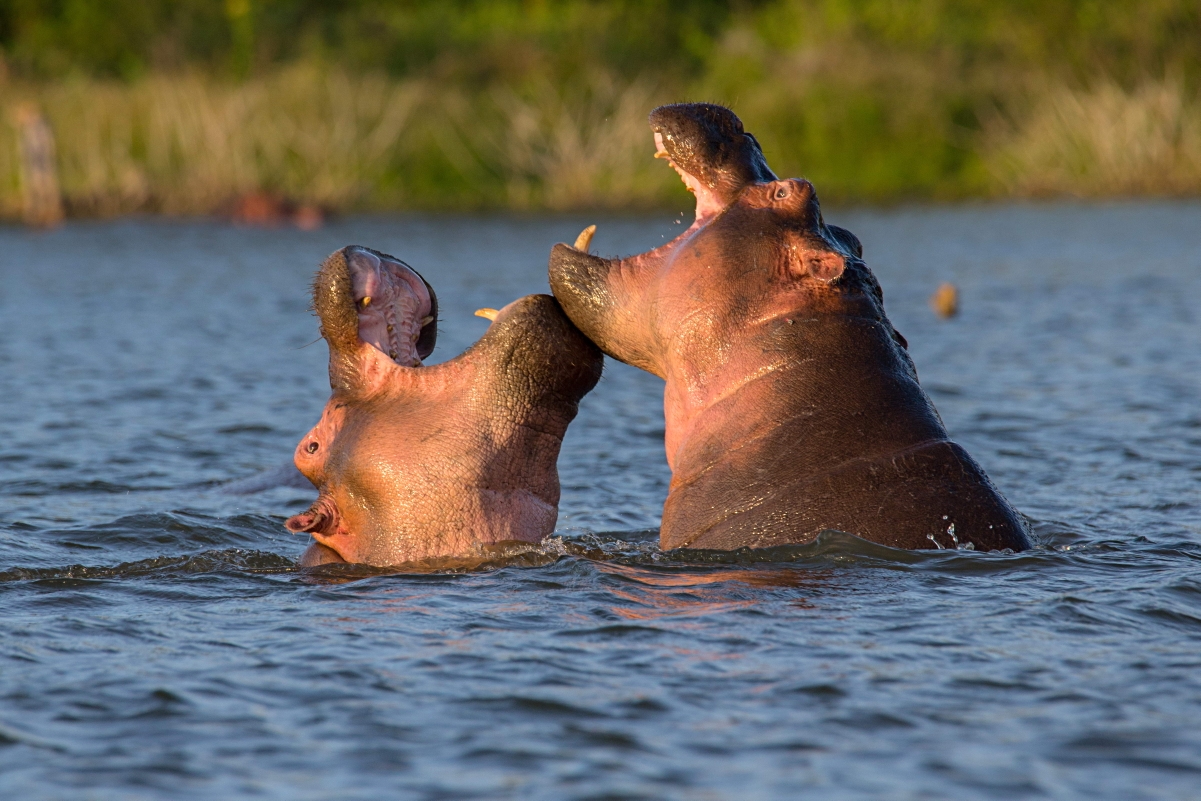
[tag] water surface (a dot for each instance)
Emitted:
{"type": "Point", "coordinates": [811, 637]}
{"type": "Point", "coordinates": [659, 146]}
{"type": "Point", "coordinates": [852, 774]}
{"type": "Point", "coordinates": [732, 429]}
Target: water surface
{"type": "Point", "coordinates": [155, 638]}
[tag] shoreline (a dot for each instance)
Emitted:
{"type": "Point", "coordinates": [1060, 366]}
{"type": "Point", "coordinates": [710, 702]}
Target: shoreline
{"type": "Point", "coordinates": [340, 142]}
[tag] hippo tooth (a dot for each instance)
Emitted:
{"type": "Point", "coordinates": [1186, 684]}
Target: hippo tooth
{"type": "Point", "coordinates": [365, 302]}
{"type": "Point", "coordinates": [585, 238]}
{"type": "Point", "coordinates": [426, 321]}
{"type": "Point", "coordinates": [488, 314]}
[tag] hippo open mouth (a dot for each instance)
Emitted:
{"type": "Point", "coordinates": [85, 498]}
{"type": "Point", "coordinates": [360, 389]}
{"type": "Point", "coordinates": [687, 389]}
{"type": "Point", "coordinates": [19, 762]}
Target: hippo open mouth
{"type": "Point", "coordinates": [714, 157]}
{"type": "Point", "coordinates": [708, 204]}
{"type": "Point", "coordinates": [396, 309]}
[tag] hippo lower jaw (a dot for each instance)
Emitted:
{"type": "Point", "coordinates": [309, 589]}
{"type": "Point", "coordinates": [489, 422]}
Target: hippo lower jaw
{"type": "Point", "coordinates": [498, 516]}
{"type": "Point", "coordinates": [317, 554]}
{"type": "Point", "coordinates": [714, 157]}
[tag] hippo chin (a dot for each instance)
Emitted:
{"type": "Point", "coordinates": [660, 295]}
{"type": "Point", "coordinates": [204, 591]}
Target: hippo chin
{"type": "Point", "coordinates": [414, 462]}
{"type": "Point", "coordinates": [791, 403]}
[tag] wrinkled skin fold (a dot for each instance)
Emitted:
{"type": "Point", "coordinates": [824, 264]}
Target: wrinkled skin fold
{"type": "Point", "coordinates": [413, 462]}
{"type": "Point", "coordinates": [791, 403]}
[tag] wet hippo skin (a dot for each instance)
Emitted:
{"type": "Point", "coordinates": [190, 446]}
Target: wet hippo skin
{"type": "Point", "coordinates": [415, 462]}
{"type": "Point", "coordinates": [791, 403]}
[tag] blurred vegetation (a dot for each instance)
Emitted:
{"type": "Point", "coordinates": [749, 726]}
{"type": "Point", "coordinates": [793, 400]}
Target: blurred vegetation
{"type": "Point", "coordinates": [179, 105]}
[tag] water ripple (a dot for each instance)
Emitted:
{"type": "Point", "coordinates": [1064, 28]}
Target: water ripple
{"type": "Point", "coordinates": [157, 639]}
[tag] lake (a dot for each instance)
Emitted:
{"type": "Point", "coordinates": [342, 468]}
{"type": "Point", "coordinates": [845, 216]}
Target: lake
{"type": "Point", "coordinates": [156, 639]}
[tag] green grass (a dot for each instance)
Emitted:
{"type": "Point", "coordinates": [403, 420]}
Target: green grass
{"type": "Point", "coordinates": [540, 104]}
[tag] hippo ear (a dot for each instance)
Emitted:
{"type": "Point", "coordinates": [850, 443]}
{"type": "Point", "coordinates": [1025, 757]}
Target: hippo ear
{"type": "Point", "coordinates": [847, 240]}
{"type": "Point", "coordinates": [824, 265]}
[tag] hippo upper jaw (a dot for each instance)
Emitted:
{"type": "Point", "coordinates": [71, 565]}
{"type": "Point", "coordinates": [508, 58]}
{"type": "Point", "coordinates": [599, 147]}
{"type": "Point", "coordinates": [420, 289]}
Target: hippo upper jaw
{"type": "Point", "coordinates": [709, 203]}
{"type": "Point", "coordinates": [373, 307]}
{"type": "Point", "coordinates": [714, 157]}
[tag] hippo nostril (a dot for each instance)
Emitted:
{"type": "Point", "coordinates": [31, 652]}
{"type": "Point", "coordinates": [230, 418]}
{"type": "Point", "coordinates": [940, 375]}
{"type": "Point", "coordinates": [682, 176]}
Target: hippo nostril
{"type": "Point", "coordinates": [312, 447]}
{"type": "Point", "coordinates": [781, 193]}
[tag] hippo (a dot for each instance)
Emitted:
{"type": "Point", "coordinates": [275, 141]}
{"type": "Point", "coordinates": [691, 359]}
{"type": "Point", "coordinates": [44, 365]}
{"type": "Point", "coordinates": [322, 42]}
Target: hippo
{"type": "Point", "coordinates": [412, 462]}
{"type": "Point", "coordinates": [791, 403]}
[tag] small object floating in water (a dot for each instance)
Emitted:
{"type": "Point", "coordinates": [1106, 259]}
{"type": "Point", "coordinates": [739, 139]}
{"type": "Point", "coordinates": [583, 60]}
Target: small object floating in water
{"type": "Point", "coordinates": [945, 300]}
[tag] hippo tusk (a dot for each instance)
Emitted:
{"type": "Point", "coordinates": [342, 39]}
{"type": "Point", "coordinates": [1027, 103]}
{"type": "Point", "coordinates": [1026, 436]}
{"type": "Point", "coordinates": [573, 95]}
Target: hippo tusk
{"type": "Point", "coordinates": [365, 302]}
{"type": "Point", "coordinates": [661, 154]}
{"type": "Point", "coordinates": [426, 321]}
{"type": "Point", "coordinates": [487, 314]}
{"type": "Point", "coordinates": [585, 238]}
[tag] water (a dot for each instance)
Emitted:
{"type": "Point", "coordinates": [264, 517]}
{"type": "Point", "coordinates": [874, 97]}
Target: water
{"type": "Point", "coordinates": [155, 639]}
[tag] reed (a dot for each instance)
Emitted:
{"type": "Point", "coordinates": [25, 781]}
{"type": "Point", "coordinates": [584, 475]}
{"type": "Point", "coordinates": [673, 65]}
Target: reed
{"type": "Point", "coordinates": [190, 143]}
{"type": "Point", "coordinates": [186, 144]}
{"type": "Point", "coordinates": [1102, 141]}
{"type": "Point", "coordinates": [564, 151]}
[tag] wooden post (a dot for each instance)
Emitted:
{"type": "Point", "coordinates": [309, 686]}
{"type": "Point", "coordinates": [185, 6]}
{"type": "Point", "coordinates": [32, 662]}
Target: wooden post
{"type": "Point", "coordinates": [39, 169]}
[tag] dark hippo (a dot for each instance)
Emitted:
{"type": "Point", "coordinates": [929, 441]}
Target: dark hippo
{"type": "Point", "coordinates": [791, 404]}
{"type": "Point", "coordinates": [418, 462]}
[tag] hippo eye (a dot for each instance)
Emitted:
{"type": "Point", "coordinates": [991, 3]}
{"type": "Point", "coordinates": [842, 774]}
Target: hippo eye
{"type": "Point", "coordinates": [312, 447]}
{"type": "Point", "coordinates": [781, 193]}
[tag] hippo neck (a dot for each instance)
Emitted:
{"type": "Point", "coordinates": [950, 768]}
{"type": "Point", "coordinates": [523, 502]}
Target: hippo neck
{"type": "Point", "coordinates": [470, 382]}
{"type": "Point", "coordinates": [822, 386]}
